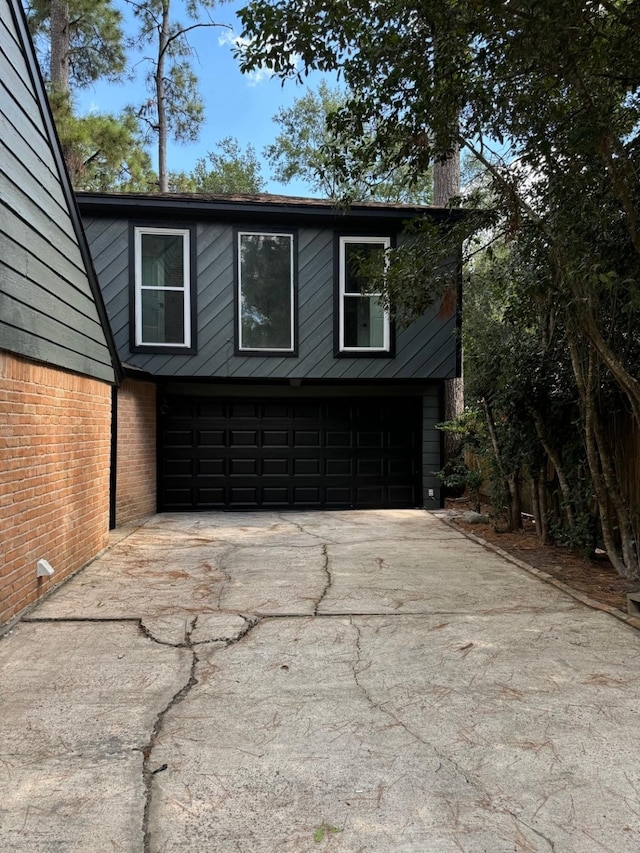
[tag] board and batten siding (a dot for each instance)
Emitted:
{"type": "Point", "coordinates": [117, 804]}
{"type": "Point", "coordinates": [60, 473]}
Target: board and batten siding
{"type": "Point", "coordinates": [48, 309]}
{"type": "Point", "coordinates": [424, 351]}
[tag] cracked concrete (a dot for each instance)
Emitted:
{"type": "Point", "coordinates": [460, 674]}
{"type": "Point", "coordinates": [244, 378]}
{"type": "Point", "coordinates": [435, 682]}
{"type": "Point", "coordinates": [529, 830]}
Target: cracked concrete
{"type": "Point", "coordinates": [282, 683]}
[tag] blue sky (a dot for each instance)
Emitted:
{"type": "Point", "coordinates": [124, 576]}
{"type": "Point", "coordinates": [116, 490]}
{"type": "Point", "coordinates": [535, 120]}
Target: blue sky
{"type": "Point", "coordinates": [236, 105]}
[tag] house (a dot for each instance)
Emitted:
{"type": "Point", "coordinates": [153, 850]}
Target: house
{"type": "Point", "coordinates": [280, 381]}
{"type": "Point", "coordinates": [58, 362]}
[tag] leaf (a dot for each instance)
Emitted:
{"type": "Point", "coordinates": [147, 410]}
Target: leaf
{"type": "Point", "coordinates": [324, 829]}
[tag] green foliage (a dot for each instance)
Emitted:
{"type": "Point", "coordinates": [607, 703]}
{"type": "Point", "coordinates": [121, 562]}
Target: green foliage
{"type": "Point", "coordinates": [308, 148]}
{"type": "Point", "coordinates": [323, 831]}
{"type": "Point", "coordinates": [103, 152]}
{"type": "Point", "coordinates": [95, 38]}
{"type": "Point", "coordinates": [228, 170]}
{"type": "Point", "coordinates": [470, 428]}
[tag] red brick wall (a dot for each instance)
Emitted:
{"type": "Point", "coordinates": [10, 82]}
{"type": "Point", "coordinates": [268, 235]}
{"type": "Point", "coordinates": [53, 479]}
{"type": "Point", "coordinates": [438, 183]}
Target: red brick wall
{"type": "Point", "coordinates": [55, 434]}
{"type": "Point", "coordinates": [136, 451]}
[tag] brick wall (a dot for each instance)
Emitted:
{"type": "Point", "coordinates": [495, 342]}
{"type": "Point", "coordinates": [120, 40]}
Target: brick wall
{"type": "Point", "coordinates": [55, 435]}
{"type": "Point", "coordinates": [136, 451]}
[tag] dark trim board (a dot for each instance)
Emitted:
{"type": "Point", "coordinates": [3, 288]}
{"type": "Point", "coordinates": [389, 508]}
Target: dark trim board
{"type": "Point", "coordinates": [287, 212]}
{"type": "Point", "coordinates": [113, 478]}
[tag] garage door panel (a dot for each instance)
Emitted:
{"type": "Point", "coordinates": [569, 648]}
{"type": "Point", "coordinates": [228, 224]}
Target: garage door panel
{"type": "Point", "coordinates": [180, 498]}
{"type": "Point", "coordinates": [370, 467]}
{"type": "Point", "coordinates": [288, 453]}
{"type": "Point", "coordinates": [178, 438]}
{"type": "Point", "coordinates": [307, 495]}
{"type": "Point", "coordinates": [307, 411]}
{"type": "Point", "coordinates": [335, 438]}
{"type": "Point", "coordinates": [370, 496]}
{"type": "Point", "coordinates": [239, 410]}
{"type": "Point", "coordinates": [400, 468]}
{"type": "Point", "coordinates": [400, 439]}
{"type": "Point", "coordinates": [275, 467]}
{"type": "Point", "coordinates": [337, 497]}
{"type": "Point", "coordinates": [178, 467]}
{"type": "Point", "coordinates": [243, 438]}
{"type": "Point", "coordinates": [243, 466]}
{"type": "Point", "coordinates": [339, 467]}
{"type": "Point", "coordinates": [211, 498]}
{"type": "Point", "coordinates": [275, 438]}
{"type": "Point", "coordinates": [275, 497]}
{"type": "Point", "coordinates": [211, 438]}
{"type": "Point", "coordinates": [210, 467]}
{"type": "Point", "coordinates": [306, 438]}
{"type": "Point", "coordinates": [275, 410]}
{"type": "Point", "coordinates": [399, 496]}
{"type": "Point", "coordinates": [303, 467]}
{"type": "Point", "coordinates": [208, 409]}
{"type": "Point", "coordinates": [369, 439]}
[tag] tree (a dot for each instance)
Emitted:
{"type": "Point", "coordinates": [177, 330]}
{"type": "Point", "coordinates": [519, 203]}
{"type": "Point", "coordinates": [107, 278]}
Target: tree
{"type": "Point", "coordinates": [307, 148]}
{"type": "Point", "coordinates": [103, 152]}
{"type": "Point", "coordinates": [225, 171]}
{"type": "Point", "coordinates": [80, 41]}
{"type": "Point", "coordinates": [175, 107]}
{"type": "Point", "coordinates": [228, 170]}
{"type": "Point", "coordinates": [546, 98]}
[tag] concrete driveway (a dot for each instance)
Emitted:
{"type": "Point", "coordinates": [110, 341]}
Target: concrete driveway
{"type": "Point", "coordinates": [368, 682]}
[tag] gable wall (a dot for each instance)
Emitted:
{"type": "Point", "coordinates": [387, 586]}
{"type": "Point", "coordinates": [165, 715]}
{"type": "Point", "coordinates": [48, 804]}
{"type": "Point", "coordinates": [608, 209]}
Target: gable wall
{"type": "Point", "coordinates": [426, 350]}
{"type": "Point", "coordinates": [47, 308]}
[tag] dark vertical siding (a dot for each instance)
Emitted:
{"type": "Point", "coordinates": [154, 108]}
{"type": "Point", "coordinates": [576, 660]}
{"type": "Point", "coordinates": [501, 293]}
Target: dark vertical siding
{"type": "Point", "coordinates": [431, 445]}
{"type": "Point", "coordinates": [47, 308]}
{"type": "Point", "coordinates": [424, 351]}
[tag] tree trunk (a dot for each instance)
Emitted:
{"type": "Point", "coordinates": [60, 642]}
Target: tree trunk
{"type": "Point", "coordinates": [510, 478]}
{"type": "Point", "coordinates": [446, 179]}
{"type": "Point", "coordinates": [446, 186]}
{"type": "Point", "coordinates": [163, 175]}
{"type": "Point", "coordinates": [587, 383]}
{"type": "Point", "coordinates": [539, 502]}
{"type": "Point", "coordinates": [544, 532]}
{"type": "Point", "coordinates": [60, 45]}
{"type": "Point", "coordinates": [565, 488]}
{"type": "Point", "coordinates": [515, 504]}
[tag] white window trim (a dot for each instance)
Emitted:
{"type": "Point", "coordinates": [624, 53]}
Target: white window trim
{"type": "Point", "coordinates": [292, 318]}
{"type": "Point", "coordinates": [344, 241]}
{"type": "Point", "coordinates": [185, 233]}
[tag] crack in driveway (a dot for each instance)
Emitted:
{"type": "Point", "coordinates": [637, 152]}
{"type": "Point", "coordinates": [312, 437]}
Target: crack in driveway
{"type": "Point", "coordinates": [328, 580]}
{"type": "Point", "coordinates": [147, 772]}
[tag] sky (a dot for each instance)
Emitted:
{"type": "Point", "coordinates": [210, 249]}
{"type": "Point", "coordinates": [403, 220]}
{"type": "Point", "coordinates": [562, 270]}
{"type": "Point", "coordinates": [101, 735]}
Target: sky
{"type": "Point", "coordinates": [237, 105]}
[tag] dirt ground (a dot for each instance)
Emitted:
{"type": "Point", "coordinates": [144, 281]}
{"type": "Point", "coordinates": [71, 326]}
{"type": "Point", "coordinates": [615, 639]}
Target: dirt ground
{"type": "Point", "coordinates": [595, 578]}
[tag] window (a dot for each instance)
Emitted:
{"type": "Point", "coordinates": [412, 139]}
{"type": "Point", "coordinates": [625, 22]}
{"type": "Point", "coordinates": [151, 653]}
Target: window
{"type": "Point", "coordinates": [163, 288]}
{"type": "Point", "coordinates": [266, 292]}
{"type": "Point", "coordinates": [364, 325]}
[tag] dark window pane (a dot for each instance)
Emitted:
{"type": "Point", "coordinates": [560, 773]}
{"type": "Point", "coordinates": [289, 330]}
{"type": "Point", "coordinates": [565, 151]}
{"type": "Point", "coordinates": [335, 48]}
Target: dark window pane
{"type": "Point", "coordinates": [357, 256]}
{"type": "Point", "coordinates": [162, 260]}
{"type": "Point", "coordinates": [265, 285]}
{"type": "Point", "coordinates": [162, 317]}
{"type": "Point", "coordinates": [364, 322]}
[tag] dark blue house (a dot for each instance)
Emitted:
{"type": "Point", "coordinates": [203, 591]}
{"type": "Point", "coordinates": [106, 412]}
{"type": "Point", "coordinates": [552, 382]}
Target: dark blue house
{"type": "Point", "coordinates": [281, 380]}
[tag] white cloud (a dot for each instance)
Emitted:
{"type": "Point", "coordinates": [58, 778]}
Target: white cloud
{"type": "Point", "coordinates": [254, 78]}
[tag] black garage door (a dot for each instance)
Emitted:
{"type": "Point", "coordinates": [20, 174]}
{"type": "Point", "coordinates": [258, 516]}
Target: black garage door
{"type": "Point", "coordinates": [275, 454]}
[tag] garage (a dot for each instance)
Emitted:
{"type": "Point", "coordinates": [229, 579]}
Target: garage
{"type": "Point", "coordinates": [326, 453]}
